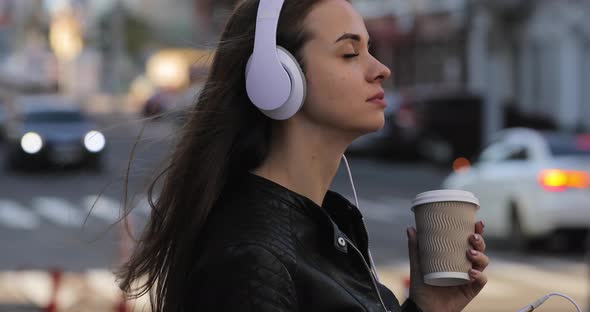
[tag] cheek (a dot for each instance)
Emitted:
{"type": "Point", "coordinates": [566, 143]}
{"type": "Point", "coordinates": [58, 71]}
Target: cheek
{"type": "Point", "coordinates": [338, 101]}
{"type": "Point", "coordinates": [329, 95]}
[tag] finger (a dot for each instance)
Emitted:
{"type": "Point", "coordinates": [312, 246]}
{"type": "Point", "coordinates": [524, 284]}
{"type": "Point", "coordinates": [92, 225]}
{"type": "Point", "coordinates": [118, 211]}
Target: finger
{"type": "Point", "coordinates": [479, 260]}
{"type": "Point", "coordinates": [413, 251]}
{"type": "Point", "coordinates": [479, 226]}
{"type": "Point", "coordinates": [478, 279]}
{"type": "Point", "coordinates": [478, 242]}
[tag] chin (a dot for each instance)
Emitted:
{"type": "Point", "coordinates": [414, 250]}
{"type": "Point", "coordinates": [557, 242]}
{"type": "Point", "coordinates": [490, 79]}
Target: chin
{"type": "Point", "coordinates": [360, 126]}
{"type": "Point", "coordinates": [370, 128]}
{"type": "Point", "coordinates": [376, 124]}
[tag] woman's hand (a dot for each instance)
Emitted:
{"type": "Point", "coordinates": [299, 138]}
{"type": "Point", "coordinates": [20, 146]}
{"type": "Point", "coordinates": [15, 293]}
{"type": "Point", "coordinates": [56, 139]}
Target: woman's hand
{"type": "Point", "coordinates": [454, 298]}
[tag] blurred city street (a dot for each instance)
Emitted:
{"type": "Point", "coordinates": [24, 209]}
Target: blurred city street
{"type": "Point", "coordinates": [490, 97]}
{"type": "Point", "coordinates": [46, 224]}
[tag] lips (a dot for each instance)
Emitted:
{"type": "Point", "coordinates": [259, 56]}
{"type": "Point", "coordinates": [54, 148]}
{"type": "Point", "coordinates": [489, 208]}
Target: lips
{"type": "Point", "coordinates": [378, 99]}
{"type": "Point", "coordinates": [378, 96]}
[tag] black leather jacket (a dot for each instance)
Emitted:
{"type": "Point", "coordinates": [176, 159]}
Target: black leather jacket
{"type": "Point", "coordinates": [266, 248]}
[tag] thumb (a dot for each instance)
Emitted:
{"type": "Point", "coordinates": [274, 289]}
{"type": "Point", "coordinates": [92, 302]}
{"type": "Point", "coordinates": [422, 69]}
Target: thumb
{"type": "Point", "coordinates": [413, 252]}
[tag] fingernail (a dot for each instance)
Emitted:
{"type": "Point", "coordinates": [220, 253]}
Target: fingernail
{"type": "Point", "coordinates": [476, 237]}
{"type": "Point", "coordinates": [482, 224]}
{"type": "Point", "coordinates": [473, 252]}
{"type": "Point", "coordinates": [473, 273]}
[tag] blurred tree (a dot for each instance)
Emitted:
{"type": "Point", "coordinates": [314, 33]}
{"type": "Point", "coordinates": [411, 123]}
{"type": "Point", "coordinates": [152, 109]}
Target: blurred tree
{"type": "Point", "coordinates": [123, 37]}
{"type": "Point", "coordinates": [136, 34]}
{"type": "Point", "coordinates": [205, 13]}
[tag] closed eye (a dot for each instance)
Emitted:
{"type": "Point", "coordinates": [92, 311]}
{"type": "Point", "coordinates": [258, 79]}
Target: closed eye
{"type": "Point", "coordinates": [351, 55]}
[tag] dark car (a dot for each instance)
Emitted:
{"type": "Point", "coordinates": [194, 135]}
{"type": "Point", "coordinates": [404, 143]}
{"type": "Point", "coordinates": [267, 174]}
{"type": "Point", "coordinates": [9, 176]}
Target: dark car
{"type": "Point", "coordinates": [47, 132]}
{"type": "Point", "coordinates": [158, 104]}
{"type": "Point", "coordinates": [397, 138]}
{"type": "Point", "coordinates": [3, 119]}
{"type": "Point", "coordinates": [448, 122]}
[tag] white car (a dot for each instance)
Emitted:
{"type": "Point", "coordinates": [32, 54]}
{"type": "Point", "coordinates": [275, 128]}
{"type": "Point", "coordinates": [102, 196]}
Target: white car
{"type": "Point", "coordinates": [531, 185]}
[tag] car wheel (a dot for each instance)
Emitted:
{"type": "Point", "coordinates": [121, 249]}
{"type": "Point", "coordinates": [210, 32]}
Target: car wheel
{"type": "Point", "coordinates": [95, 164]}
{"type": "Point", "coordinates": [575, 240]}
{"type": "Point", "coordinates": [517, 240]}
{"type": "Point", "coordinates": [12, 164]}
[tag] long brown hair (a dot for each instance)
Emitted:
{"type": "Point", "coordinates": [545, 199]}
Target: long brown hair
{"type": "Point", "coordinates": [224, 134]}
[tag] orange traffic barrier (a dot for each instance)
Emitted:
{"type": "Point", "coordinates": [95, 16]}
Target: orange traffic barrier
{"type": "Point", "coordinates": [406, 283]}
{"type": "Point", "coordinates": [56, 276]}
{"type": "Point", "coordinates": [125, 245]}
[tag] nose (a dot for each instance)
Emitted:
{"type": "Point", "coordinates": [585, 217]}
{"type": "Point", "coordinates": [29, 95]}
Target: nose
{"type": "Point", "coordinates": [380, 72]}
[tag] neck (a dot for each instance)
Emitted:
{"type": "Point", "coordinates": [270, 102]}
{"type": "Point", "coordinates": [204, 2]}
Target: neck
{"type": "Point", "coordinates": [304, 158]}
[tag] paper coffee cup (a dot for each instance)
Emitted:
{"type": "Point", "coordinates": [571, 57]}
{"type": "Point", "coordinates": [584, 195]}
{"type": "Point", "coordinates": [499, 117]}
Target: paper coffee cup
{"type": "Point", "coordinates": [444, 220]}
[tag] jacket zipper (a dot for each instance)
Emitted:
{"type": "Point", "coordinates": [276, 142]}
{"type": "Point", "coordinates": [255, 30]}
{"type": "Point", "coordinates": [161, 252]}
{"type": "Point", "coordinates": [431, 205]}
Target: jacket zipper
{"type": "Point", "coordinates": [370, 273]}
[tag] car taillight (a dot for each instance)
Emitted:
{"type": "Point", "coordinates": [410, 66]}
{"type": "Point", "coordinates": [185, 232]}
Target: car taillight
{"type": "Point", "coordinates": [555, 180]}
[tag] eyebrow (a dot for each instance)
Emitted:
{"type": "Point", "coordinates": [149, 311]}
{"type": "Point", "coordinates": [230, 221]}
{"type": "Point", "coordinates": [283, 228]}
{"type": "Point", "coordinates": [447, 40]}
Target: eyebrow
{"type": "Point", "coordinates": [349, 36]}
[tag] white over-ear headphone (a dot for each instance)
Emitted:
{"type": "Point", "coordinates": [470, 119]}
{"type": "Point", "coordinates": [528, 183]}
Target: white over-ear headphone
{"type": "Point", "coordinates": [275, 82]}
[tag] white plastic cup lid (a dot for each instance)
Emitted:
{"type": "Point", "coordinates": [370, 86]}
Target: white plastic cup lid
{"type": "Point", "coordinates": [444, 195]}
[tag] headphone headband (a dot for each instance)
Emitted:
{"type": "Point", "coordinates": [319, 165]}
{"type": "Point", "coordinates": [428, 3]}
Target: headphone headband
{"type": "Point", "coordinates": [265, 62]}
{"type": "Point", "coordinates": [267, 23]}
{"type": "Point", "coordinates": [275, 82]}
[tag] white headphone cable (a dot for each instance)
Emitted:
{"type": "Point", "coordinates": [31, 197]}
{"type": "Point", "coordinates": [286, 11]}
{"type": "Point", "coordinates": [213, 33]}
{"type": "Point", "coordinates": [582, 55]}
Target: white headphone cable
{"type": "Point", "coordinates": [351, 182]}
{"type": "Point", "coordinates": [356, 200]}
{"type": "Point", "coordinates": [541, 300]}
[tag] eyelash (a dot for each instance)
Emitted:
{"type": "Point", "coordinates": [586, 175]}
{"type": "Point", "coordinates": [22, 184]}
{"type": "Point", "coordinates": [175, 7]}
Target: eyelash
{"type": "Point", "coordinates": [351, 55]}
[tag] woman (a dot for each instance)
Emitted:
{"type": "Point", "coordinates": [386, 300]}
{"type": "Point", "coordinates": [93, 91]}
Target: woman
{"type": "Point", "coordinates": [244, 220]}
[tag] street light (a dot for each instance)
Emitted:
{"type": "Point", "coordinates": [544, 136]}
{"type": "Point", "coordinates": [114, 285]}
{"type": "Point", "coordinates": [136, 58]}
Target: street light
{"type": "Point", "coordinates": [65, 40]}
{"type": "Point", "coordinates": [64, 36]}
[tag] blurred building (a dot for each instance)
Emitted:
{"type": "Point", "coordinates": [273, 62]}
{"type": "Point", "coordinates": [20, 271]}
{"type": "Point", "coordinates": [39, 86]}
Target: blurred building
{"type": "Point", "coordinates": [534, 55]}
{"type": "Point", "coordinates": [423, 41]}
{"type": "Point", "coordinates": [25, 60]}
{"type": "Point", "coordinates": [16, 18]}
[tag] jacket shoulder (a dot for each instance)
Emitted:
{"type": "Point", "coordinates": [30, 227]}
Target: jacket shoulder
{"type": "Point", "coordinates": [255, 219]}
{"type": "Point", "coordinates": [245, 277]}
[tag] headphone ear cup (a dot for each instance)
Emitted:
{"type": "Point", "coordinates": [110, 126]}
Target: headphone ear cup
{"type": "Point", "coordinates": [298, 87]}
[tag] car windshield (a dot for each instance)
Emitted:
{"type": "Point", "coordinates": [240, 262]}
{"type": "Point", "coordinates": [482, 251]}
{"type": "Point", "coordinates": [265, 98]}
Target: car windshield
{"type": "Point", "coordinates": [569, 145]}
{"type": "Point", "coordinates": [57, 116]}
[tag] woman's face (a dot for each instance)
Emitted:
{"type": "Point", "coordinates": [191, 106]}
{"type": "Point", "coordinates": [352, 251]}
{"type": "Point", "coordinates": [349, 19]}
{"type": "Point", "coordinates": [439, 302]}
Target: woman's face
{"type": "Point", "coordinates": [341, 74]}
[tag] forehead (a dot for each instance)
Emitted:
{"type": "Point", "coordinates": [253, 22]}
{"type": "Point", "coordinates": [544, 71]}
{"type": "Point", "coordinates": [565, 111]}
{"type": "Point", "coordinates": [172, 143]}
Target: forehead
{"type": "Point", "coordinates": [329, 19]}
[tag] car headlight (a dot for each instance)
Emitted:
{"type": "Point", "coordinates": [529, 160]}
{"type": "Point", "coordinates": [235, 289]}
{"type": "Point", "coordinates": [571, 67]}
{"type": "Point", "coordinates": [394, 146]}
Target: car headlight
{"type": "Point", "coordinates": [94, 141]}
{"type": "Point", "coordinates": [31, 143]}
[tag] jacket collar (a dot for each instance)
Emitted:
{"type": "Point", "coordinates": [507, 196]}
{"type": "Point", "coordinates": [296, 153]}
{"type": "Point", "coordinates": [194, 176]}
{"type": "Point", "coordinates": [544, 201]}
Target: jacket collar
{"type": "Point", "coordinates": [334, 204]}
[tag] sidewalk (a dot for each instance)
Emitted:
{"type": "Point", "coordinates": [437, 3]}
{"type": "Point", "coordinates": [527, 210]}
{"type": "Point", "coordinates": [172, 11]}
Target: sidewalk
{"type": "Point", "coordinates": [92, 291]}
{"type": "Point", "coordinates": [510, 287]}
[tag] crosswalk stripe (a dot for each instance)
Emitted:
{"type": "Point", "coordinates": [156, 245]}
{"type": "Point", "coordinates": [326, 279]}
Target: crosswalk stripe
{"type": "Point", "coordinates": [64, 213]}
{"type": "Point", "coordinates": [104, 208]}
{"type": "Point", "coordinates": [14, 215]}
{"type": "Point", "coordinates": [58, 211]}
